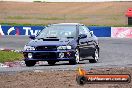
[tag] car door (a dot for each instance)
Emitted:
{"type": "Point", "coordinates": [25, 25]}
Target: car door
{"type": "Point", "coordinates": [86, 44]}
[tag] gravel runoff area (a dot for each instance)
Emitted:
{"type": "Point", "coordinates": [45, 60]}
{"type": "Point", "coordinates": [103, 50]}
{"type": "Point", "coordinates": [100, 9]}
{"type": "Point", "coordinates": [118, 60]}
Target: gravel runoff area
{"type": "Point", "coordinates": [58, 79]}
{"type": "Point", "coordinates": [52, 77]}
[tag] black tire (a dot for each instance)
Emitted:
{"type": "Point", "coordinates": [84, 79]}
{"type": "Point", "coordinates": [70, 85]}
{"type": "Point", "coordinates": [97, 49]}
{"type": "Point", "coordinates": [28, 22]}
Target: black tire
{"type": "Point", "coordinates": [81, 80]}
{"type": "Point", "coordinates": [51, 62]}
{"type": "Point", "coordinates": [30, 63]}
{"type": "Point", "coordinates": [95, 57]}
{"type": "Point", "coordinates": [76, 59]}
{"type": "Point", "coordinates": [72, 62]}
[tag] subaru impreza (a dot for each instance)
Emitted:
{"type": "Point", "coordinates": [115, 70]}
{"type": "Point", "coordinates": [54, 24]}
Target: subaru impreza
{"type": "Point", "coordinates": [70, 42]}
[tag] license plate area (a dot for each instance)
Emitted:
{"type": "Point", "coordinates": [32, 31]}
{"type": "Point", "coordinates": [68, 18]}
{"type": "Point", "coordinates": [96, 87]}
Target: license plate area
{"type": "Point", "coordinates": [45, 55]}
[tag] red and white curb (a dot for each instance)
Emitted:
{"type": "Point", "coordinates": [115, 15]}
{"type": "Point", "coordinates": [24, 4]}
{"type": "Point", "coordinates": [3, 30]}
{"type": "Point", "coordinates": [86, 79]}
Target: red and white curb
{"type": "Point", "coordinates": [3, 65]}
{"type": "Point", "coordinates": [11, 64]}
{"type": "Point", "coordinates": [17, 63]}
{"type": "Point", "coordinates": [13, 50]}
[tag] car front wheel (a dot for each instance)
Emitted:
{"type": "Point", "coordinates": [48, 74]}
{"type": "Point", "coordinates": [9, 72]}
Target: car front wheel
{"type": "Point", "coordinates": [51, 62]}
{"type": "Point", "coordinates": [30, 63]}
{"type": "Point", "coordinates": [76, 59]}
{"type": "Point", "coordinates": [95, 57]}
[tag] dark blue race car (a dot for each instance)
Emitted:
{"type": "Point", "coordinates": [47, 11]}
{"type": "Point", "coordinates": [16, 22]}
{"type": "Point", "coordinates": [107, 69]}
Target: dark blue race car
{"type": "Point", "coordinates": [62, 42]}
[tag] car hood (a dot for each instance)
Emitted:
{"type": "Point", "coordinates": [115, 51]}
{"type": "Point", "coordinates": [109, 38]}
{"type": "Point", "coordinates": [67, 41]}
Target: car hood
{"type": "Point", "coordinates": [57, 42]}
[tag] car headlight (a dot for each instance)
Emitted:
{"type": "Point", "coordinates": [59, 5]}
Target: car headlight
{"type": "Point", "coordinates": [64, 47]}
{"type": "Point", "coordinates": [30, 55]}
{"type": "Point", "coordinates": [28, 48]}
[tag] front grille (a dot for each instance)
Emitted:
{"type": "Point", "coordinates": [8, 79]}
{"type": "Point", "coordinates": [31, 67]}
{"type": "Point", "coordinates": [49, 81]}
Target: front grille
{"type": "Point", "coordinates": [45, 55]}
{"type": "Point", "coordinates": [46, 48]}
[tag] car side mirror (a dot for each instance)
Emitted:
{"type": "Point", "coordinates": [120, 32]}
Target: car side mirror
{"type": "Point", "coordinates": [82, 36]}
{"type": "Point", "coordinates": [32, 37]}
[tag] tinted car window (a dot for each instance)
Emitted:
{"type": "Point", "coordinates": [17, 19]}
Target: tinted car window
{"type": "Point", "coordinates": [59, 31]}
{"type": "Point", "coordinates": [85, 31]}
{"type": "Point", "coordinates": [81, 30]}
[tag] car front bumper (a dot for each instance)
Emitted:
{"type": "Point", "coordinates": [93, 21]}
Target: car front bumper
{"type": "Point", "coordinates": [64, 55]}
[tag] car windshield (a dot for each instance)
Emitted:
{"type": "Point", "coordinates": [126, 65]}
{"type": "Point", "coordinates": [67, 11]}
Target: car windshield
{"type": "Point", "coordinates": [58, 31]}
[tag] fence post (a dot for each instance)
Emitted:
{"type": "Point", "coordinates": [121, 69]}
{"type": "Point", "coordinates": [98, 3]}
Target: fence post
{"type": "Point", "coordinates": [129, 15]}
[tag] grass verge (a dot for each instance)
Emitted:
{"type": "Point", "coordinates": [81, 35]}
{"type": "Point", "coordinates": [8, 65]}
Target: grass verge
{"type": "Point", "coordinates": [28, 24]}
{"type": "Point", "coordinates": [7, 56]}
{"type": "Point", "coordinates": [25, 24]}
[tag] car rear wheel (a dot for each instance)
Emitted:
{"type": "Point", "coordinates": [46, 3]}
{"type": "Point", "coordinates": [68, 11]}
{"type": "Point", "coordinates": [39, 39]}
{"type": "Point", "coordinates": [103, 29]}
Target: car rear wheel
{"type": "Point", "coordinates": [77, 58]}
{"type": "Point", "coordinates": [51, 62]}
{"type": "Point", "coordinates": [95, 56]}
{"type": "Point", "coordinates": [30, 63]}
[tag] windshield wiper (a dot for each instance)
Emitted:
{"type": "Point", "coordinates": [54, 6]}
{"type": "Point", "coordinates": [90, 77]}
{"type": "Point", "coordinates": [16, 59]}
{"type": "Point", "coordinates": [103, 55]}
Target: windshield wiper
{"type": "Point", "coordinates": [51, 37]}
{"type": "Point", "coordinates": [69, 37]}
{"type": "Point", "coordinates": [46, 37]}
{"type": "Point", "coordinates": [39, 38]}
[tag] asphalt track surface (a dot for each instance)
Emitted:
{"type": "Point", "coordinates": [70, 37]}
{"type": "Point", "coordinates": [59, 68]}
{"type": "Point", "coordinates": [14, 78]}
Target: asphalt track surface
{"type": "Point", "coordinates": [113, 53]}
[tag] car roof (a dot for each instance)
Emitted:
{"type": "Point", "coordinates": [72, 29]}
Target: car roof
{"type": "Point", "coordinates": [67, 24]}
